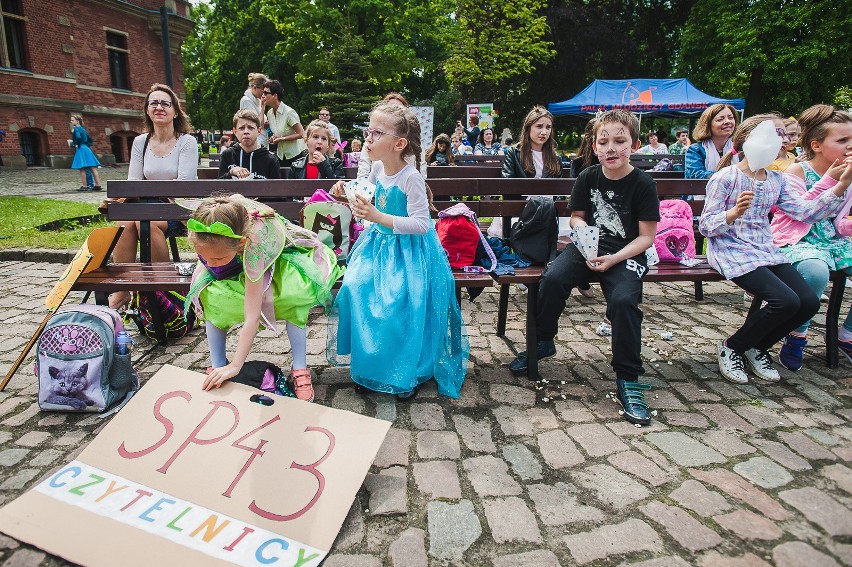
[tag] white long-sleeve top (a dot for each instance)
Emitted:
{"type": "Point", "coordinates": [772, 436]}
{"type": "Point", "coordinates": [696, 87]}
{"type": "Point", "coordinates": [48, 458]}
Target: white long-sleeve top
{"type": "Point", "coordinates": [412, 183]}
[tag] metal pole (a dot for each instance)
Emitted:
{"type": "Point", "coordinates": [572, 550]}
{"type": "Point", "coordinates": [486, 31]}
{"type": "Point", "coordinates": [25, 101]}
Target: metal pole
{"type": "Point", "coordinates": [167, 57]}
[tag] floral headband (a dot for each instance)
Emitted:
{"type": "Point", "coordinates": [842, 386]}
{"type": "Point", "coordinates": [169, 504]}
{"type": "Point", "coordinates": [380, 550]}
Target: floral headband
{"type": "Point", "coordinates": [217, 227]}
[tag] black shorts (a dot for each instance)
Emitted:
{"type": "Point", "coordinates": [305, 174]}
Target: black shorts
{"type": "Point", "coordinates": [175, 228]}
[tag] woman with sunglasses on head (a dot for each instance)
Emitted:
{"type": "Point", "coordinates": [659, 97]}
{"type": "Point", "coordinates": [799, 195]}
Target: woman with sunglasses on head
{"type": "Point", "coordinates": [487, 145]}
{"type": "Point", "coordinates": [166, 151]}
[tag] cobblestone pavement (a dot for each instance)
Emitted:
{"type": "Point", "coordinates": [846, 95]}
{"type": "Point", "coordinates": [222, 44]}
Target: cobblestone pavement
{"type": "Point", "coordinates": [515, 473]}
{"type": "Point", "coordinates": [49, 183]}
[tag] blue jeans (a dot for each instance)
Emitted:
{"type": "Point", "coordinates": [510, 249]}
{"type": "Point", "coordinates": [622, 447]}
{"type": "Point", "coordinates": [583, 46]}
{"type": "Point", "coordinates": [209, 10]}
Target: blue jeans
{"type": "Point", "coordinates": [816, 275]}
{"type": "Point", "coordinates": [90, 177]}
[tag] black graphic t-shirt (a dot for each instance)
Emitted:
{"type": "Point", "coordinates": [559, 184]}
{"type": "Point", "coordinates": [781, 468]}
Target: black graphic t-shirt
{"type": "Point", "coordinates": [616, 207]}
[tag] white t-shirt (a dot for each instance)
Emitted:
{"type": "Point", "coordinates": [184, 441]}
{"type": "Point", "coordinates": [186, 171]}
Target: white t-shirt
{"type": "Point", "coordinates": [538, 162]}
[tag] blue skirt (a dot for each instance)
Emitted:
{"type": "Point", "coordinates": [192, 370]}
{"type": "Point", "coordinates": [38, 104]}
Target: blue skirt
{"type": "Point", "coordinates": [84, 157]}
{"type": "Point", "coordinates": [396, 320]}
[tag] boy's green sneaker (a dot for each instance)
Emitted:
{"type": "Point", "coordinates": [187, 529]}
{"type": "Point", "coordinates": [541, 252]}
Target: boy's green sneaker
{"type": "Point", "coordinates": [629, 395]}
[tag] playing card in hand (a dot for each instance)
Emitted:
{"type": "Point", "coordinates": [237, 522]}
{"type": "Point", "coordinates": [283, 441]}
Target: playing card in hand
{"type": "Point", "coordinates": [359, 187]}
{"type": "Point", "coordinates": [586, 239]}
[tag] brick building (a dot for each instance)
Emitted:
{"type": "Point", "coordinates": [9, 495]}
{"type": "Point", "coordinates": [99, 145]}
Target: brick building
{"type": "Point", "coordinates": [91, 57]}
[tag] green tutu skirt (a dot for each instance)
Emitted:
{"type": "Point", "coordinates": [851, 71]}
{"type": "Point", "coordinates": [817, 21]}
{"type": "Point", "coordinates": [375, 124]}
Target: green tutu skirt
{"type": "Point", "coordinates": [295, 291]}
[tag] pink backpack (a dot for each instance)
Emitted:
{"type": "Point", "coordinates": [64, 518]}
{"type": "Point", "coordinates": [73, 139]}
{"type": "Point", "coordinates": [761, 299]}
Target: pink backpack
{"type": "Point", "coordinates": [675, 239]}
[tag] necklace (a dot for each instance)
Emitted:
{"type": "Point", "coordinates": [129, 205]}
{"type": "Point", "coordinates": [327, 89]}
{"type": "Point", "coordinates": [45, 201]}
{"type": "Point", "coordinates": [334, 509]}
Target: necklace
{"type": "Point", "coordinates": [162, 149]}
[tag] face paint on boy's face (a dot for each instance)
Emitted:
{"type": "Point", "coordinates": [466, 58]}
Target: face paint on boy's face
{"type": "Point", "coordinates": [613, 146]}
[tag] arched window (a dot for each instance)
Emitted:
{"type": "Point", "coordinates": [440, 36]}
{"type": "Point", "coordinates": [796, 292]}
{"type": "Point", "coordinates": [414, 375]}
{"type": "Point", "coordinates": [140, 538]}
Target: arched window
{"type": "Point", "coordinates": [121, 144]}
{"type": "Point", "coordinates": [33, 145]}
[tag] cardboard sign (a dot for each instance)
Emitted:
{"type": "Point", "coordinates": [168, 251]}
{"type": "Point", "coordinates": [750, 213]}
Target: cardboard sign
{"type": "Point", "coordinates": [186, 477]}
{"type": "Point", "coordinates": [91, 256]}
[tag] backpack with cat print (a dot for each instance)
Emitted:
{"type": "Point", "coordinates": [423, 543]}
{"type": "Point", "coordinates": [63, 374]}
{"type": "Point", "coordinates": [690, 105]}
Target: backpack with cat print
{"type": "Point", "coordinates": [77, 366]}
{"type": "Point", "coordinates": [675, 238]}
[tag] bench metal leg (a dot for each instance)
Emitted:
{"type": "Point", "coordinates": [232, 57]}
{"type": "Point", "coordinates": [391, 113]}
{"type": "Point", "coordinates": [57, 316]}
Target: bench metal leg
{"type": "Point", "coordinates": [532, 339]}
{"type": "Point", "coordinates": [173, 246]}
{"type": "Point", "coordinates": [699, 291]}
{"type": "Point", "coordinates": [832, 317]}
{"type": "Point", "coordinates": [502, 309]}
{"type": "Point", "coordinates": [101, 298]}
{"type": "Point", "coordinates": [458, 295]}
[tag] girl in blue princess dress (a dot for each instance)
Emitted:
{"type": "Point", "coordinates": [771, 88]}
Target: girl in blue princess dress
{"type": "Point", "coordinates": [396, 318]}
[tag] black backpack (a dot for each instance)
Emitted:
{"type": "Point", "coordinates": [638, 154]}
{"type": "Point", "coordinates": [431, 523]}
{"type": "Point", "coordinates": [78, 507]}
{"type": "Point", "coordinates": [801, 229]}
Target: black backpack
{"type": "Point", "coordinates": [534, 235]}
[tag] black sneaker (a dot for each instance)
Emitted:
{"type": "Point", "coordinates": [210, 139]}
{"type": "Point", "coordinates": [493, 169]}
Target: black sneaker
{"type": "Point", "coordinates": [629, 395]}
{"type": "Point", "coordinates": [83, 188]}
{"type": "Point", "coordinates": [545, 349]}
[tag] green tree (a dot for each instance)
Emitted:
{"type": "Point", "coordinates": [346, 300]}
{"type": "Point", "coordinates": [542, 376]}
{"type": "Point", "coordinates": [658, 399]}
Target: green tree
{"type": "Point", "coordinates": [778, 55]}
{"type": "Point", "coordinates": [399, 41]}
{"type": "Point", "coordinates": [345, 87]}
{"type": "Point", "coordinates": [843, 98]}
{"type": "Point", "coordinates": [497, 48]}
{"type": "Point", "coordinates": [230, 40]}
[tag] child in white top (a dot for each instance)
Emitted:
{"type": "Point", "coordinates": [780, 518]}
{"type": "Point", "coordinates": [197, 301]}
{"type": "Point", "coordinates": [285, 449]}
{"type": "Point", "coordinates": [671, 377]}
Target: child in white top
{"type": "Point", "coordinates": [396, 317]}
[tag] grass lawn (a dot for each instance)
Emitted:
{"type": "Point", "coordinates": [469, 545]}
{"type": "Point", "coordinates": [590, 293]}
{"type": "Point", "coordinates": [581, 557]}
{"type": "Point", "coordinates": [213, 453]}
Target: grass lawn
{"type": "Point", "coordinates": [19, 216]}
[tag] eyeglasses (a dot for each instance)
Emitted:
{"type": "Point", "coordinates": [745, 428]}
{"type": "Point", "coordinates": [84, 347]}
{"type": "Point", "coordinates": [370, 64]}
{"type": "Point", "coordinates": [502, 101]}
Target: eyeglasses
{"type": "Point", "coordinates": [156, 103]}
{"type": "Point", "coordinates": [267, 93]}
{"type": "Point", "coordinates": [377, 134]}
{"type": "Point", "coordinates": [782, 133]}
{"type": "Point", "coordinates": [326, 114]}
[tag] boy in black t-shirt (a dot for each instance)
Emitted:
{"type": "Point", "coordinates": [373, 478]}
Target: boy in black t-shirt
{"type": "Point", "coordinates": [622, 202]}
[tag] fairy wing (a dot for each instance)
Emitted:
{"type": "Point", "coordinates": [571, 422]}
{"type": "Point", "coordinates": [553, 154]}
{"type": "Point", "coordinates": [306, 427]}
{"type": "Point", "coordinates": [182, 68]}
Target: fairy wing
{"type": "Point", "coordinates": [265, 239]}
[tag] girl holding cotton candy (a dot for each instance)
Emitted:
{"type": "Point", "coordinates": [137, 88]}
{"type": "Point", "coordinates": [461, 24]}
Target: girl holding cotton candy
{"type": "Point", "coordinates": [396, 320]}
{"type": "Point", "coordinates": [816, 249]}
{"type": "Point", "coordinates": [735, 221]}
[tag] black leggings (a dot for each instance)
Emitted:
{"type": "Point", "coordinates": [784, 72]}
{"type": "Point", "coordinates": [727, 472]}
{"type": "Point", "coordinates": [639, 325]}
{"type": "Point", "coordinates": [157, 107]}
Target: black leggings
{"type": "Point", "coordinates": [789, 303]}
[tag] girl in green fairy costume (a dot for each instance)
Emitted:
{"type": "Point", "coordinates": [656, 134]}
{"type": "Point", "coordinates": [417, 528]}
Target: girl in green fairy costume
{"type": "Point", "coordinates": [255, 268]}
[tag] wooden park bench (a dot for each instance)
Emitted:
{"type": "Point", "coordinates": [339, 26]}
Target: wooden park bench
{"type": "Point", "coordinates": [148, 201]}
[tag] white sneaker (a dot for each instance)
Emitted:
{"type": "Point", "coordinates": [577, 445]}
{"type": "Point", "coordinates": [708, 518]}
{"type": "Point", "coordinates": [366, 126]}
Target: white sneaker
{"type": "Point", "coordinates": [731, 364]}
{"type": "Point", "coordinates": [761, 364]}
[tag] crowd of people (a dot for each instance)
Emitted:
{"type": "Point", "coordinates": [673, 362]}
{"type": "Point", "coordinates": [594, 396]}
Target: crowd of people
{"type": "Point", "coordinates": [397, 288]}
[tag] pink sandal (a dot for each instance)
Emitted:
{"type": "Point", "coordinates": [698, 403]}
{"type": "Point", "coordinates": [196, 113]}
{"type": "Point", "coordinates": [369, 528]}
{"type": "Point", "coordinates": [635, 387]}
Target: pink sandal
{"type": "Point", "coordinates": [302, 384]}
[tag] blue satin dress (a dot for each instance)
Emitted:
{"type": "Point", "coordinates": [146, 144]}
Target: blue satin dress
{"type": "Point", "coordinates": [396, 320]}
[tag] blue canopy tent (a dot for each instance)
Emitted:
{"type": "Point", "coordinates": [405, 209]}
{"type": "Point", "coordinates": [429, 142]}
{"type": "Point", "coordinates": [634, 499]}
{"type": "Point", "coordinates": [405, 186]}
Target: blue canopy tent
{"type": "Point", "coordinates": [672, 97]}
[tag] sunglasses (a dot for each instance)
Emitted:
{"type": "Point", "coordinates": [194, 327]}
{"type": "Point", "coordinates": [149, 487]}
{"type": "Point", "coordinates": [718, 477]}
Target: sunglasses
{"type": "Point", "coordinates": [156, 103]}
{"type": "Point", "coordinates": [265, 93]}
